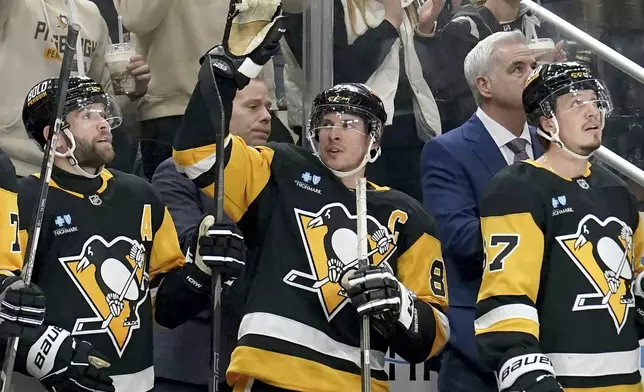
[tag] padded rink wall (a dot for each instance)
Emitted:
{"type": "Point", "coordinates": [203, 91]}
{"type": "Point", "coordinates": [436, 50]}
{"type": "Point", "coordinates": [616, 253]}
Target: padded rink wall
{"type": "Point", "coordinates": [404, 378]}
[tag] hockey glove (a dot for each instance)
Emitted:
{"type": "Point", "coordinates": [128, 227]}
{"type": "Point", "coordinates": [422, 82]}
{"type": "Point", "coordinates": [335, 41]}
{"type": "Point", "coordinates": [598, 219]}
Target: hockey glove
{"type": "Point", "coordinates": [218, 246]}
{"type": "Point", "coordinates": [22, 308]}
{"type": "Point", "coordinates": [536, 382]}
{"type": "Point", "coordinates": [376, 292]}
{"type": "Point", "coordinates": [64, 363]}
{"type": "Point", "coordinates": [251, 39]}
{"type": "Point", "coordinates": [528, 373]}
{"type": "Point", "coordinates": [638, 293]}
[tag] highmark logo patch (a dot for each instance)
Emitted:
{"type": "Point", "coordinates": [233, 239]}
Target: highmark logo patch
{"type": "Point", "coordinates": [309, 182]}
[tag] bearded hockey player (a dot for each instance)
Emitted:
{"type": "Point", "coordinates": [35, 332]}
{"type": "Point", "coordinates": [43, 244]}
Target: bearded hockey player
{"type": "Point", "coordinates": [22, 308]}
{"type": "Point", "coordinates": [297, 211]}
{"type": "Point", "coordinates": [563, 243]}
{"type": "Point", "coordinates": [106, 240]}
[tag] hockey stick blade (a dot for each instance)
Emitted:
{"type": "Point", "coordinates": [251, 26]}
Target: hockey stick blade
{"type": "Point", "coordinates": [45, 177]}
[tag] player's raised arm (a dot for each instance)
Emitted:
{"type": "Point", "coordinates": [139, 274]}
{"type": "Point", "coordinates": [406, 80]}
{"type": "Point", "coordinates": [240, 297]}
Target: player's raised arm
{"type": "Point", "coordinates": [248, 170]}
{"type": "Point", "coordinates": [507, 321]}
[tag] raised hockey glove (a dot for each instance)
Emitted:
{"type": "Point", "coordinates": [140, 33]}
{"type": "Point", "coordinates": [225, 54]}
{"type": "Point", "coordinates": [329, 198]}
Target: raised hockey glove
{"type": "Point", "coordinates": [218, 246]}
{"type": "Point", "coordinates": [528, 373]}
{"type": "Point", "coordinates": [251, 39]}
{"type": "Point", "coordinates": [64, 363]}
{"type": "Point", "coordinates": [22, 307]}
{"type": "Point", "coordinates": [375, 292]}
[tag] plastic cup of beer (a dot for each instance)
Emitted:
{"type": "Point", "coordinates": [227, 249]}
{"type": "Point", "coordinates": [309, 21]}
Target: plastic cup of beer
{"type": "Point", "coordinates": [544, 50]}
{"type": "Point", "coordinates": [117, 57]}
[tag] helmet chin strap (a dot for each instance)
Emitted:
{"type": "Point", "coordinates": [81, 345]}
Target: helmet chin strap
{"type": "Point", "coordinates": [554, 138]}
{"type": "Point", "coordinates": [367, 159]}
{"type": "Point", "coordinates": [69, 155]}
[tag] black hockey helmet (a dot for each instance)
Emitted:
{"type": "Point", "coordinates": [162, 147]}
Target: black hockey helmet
{"type": "Point", "coordinates": [354, 98]}
{"type": "Point", "coordinates": [550, 81]}
{"type": "Point", "coordinates": [40, 105]}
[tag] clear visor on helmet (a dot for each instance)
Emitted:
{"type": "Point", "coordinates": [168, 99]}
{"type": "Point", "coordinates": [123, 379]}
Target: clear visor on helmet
{"type": "Point", "coordinates": [584, 96]}
{"type": "Point", "coordinates": [328, 120]}
{"type": "Point", "coordinates": [93, 111]}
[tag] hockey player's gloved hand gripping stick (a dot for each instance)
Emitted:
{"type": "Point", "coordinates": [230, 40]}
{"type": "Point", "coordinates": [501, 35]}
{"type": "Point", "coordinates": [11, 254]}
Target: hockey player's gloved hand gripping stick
{"type": "Point", "coordinates": [22, 309]}
{"type": "Point", "coordinates": [216, 247]}
{"type": "Point", "coordinates": [251, 39]}
{"type": "Point", "coordinates": [64, 363]}
{"type": "Point", "coordinates": [45, 176]}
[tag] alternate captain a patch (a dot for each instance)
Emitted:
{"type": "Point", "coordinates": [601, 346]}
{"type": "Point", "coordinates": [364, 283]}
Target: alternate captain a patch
{"type": "Point", "coordinates": [603, 251]}
{"type": "Point", "coordinates": [331, 243]}
{"type": "Point", "coordinates": [112, 277]}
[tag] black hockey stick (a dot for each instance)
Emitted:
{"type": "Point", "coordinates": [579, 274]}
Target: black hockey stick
{"type": "Point", "coordinates": [210, 91]}
{"type": "Point", "coordinates": [45, 176]}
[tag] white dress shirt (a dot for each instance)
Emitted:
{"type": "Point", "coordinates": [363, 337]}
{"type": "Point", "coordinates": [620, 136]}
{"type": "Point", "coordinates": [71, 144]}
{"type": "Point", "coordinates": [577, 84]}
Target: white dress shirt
{"type": "Point", "coordinates": [502, 136]}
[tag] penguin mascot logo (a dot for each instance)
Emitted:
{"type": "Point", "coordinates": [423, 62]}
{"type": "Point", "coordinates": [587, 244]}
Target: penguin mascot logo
{"type": "Point", "coordinates": [331, 243]}
{"type": "Point", "coordinates": [113, 279]}
{"type": "Point", "coordinates": [603, 251]}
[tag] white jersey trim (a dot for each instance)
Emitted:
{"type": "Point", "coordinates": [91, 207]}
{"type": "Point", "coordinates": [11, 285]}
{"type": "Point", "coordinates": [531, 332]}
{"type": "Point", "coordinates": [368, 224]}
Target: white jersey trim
{"type": "Point", "coordinates": [201, 167]}
{"type": "Point", "coordinates": [282, 328]}
{"type": "Point", "coordinates": [142, 381]}
{"type": "Point", "coordinates": [506, 312]}
{"type": "Point", "coordinates": [595, 365]}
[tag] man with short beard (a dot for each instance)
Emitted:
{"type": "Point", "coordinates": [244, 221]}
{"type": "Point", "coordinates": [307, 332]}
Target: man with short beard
{"type": "Point", "coordinates": [106, 241]}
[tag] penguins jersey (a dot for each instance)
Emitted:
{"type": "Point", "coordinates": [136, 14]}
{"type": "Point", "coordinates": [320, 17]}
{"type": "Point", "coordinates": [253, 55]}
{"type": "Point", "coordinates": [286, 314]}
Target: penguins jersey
{"type": "Point", "coordinates": [10, 256]}
{"type": "Point", "coordinates": [560, 255]}
{"type": "Point", "coordinates": [102, 244]}
{"type": "Point", "coordinates": [299, 330]}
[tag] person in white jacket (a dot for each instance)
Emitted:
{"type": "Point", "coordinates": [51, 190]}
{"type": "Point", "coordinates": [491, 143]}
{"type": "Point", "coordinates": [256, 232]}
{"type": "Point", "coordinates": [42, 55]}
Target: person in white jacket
{"type": "Point", "coordinates": [376, 42]}
{"type": "Point", "coordinates": [32, 35]}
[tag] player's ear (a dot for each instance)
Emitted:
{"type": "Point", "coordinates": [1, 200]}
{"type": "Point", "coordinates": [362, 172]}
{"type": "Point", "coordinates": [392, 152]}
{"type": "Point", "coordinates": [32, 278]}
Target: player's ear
{"type": "Point", "coordinates": [547, 124]}
{"type": "Point", "coordinates": [59, 143]}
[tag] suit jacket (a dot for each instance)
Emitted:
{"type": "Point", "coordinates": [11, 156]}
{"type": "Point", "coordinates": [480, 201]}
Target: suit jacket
{"type": "Point", "coordinates": [455, 169]}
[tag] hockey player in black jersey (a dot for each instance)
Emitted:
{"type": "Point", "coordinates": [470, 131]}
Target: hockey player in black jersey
{"type": "Point", "coordinates": [106, 240]}
{"type": "Point", "coordinates": [563, 244]}
{"type": "Point", "coordinates": [297, 211]}
{"type": "Point", "coordinates": [22, 308]}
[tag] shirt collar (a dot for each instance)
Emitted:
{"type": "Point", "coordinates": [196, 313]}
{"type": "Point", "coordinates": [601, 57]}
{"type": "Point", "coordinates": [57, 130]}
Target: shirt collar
{"type": "Point", "coordinates": [499, 133]}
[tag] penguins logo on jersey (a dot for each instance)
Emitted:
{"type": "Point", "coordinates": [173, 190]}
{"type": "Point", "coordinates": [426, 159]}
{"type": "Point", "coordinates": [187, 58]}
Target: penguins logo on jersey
{"type": "Point", "coordinates": [113, 280]}
{"type": "Point", "coordinates": [603, 251]}
{"type": "Point", "coordinates": [331, 243]}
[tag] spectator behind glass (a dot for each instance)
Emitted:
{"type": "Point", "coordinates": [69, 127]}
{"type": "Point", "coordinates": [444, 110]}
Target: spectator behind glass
{"type": "Point", "coordinates": [32, 36]}
{"type": "Point", "coordinates": [173, 35]}
{"type": "Point", "coordinates": [470, 24]}
{"type": "Point", "coordinates": [456, 168]}
{"type": "Point", "coordinates": [375, 42]}
{"type": "Point", "coordinates": [181, 355]}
